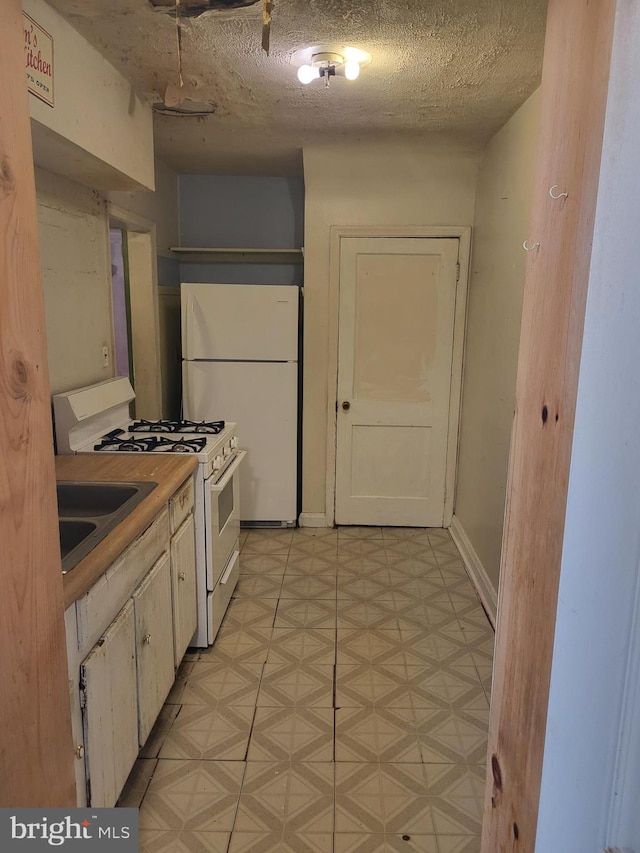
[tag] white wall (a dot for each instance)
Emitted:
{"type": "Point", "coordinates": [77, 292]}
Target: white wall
{"type": "Point", "coordinates": [98, 132]}
{"type": "Point", "coordinates": [76, 280]}
{"type": "Point", "coordinates": [503, 200]}
{"type": "Point", "coordinates": [599, 577]}
{"type": "Point", "coordinates": [362, 185]}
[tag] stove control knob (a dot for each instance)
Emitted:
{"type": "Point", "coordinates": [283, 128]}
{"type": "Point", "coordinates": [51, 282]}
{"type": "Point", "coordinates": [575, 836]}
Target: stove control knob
{"type": "Point", "coordinates": [217, 463]}
{"type": "Point", "coordinates": [226, 450]}
{"type": "Point", "coordinates": [234, 442]}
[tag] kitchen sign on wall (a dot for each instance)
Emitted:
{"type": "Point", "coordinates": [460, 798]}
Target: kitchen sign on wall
{"type": "Point", "coordinates": [38, 54]}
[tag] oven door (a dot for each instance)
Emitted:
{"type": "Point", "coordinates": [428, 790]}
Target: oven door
{"type": "Point", "coordinates": [222, 509]}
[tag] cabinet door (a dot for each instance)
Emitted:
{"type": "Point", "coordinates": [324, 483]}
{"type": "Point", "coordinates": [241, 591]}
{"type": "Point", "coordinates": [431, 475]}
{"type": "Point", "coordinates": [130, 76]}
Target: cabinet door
{"type": "Point", "coordinates": [154, 644]}
{"type": "Point", "coordinates": [183, 581]}
{"type": "Point", "coordinates": [109, 710]}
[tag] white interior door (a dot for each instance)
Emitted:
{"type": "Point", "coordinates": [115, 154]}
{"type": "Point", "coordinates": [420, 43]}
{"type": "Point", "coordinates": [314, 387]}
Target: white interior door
{"type": "Point", "coordinates": [397, 312]}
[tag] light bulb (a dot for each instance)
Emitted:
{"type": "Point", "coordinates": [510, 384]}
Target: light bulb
{"type": "Point", "coordinates": [352, 69]}
{"type": "Point", "coordinates": [307, 73]}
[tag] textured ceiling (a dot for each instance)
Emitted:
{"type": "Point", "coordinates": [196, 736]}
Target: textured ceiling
{"type": "Point", "coordinates": [456, 69]}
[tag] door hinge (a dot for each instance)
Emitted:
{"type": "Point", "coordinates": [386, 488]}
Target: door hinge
{"type": "Point", "coordinates": [458, 271]}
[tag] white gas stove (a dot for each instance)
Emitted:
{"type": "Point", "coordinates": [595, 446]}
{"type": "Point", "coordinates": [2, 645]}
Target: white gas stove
{"type": "Point", "coordinates": [96, 419]}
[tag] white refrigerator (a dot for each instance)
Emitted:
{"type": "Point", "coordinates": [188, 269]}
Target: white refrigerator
{"type": "Point", "coordinates": [240, 363]}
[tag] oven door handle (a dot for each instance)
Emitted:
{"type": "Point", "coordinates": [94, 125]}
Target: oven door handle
{"type": "Point", "coordinates": [228, 474]}
{"type": "Point", "coordinates": [229, 569]}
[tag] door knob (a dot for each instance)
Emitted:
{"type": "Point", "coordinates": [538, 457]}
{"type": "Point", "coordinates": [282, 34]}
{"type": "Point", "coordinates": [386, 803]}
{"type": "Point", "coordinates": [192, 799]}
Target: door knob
{"type": "Point", "coordinates": [346, 405]}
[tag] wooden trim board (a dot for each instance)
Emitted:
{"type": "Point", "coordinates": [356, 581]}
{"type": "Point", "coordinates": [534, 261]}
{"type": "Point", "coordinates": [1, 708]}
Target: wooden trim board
{"type": "Point", "coordinates": [312, 519]}
{"type": "Point", "coordinates": [35, 723]}
{"type": "Point", "coordinates": [574, 93]}
{"type": "Point", "coordinates": [145, 336]}
{"type": "Point", "coordinates": [478, 576]}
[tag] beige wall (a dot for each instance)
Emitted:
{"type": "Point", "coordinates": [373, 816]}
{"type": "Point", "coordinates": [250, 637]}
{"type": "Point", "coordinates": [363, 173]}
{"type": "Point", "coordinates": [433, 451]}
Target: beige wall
{"type": "Point", "coordinates": [76, 266]}
{"type": "Point", "coordinates": [98, 132]}
{"type": "Point", "coordinates": [76, 280]}
{"type": "Point", "coordinates": [493, 332]}
{"type": "Point", "coordinates": [377, 185]}
{"type": "Point", "coordinates": [97, 137]}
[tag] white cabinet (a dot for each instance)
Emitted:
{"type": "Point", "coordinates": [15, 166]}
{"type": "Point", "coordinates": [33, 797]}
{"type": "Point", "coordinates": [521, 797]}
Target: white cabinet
{"type": "Point", "coordinates": [110, 710]}
{"type": "Point", "coordinates": [125, 638]}
{"type": "Point", "coordinates": [154, 644]}
{"type": "Point", "coordinates": [183, 583]}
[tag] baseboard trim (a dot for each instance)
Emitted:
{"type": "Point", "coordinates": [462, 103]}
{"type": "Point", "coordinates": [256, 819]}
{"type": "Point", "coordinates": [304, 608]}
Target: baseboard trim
{"type": "Point", "coordinates": [476, 571]}
{"type": "Point", "coordinates": [312, 519]}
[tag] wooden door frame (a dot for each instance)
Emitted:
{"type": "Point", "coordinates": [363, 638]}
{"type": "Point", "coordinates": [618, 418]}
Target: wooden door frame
{"type": "Point", "coordinates": [35, 722]}
{"type": "Point", "coordinates": [575, 80]}
{"type": "Point", "coordinates": [339, 232]}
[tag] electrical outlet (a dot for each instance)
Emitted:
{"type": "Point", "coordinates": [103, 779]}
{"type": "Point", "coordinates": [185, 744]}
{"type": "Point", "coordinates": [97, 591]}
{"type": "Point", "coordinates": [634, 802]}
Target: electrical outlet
{"type": "Point", "coordinates": [105, 356]}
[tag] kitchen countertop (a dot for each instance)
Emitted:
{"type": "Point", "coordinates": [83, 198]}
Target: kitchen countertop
{"type": "Point", "coordinates": [169, 471]}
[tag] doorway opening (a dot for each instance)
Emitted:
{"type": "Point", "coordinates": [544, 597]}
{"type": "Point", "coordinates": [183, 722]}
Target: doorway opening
{"type": "Point", "coordinates": [135, 308]}
{"type": "Point", "coordinates": [120, 305]}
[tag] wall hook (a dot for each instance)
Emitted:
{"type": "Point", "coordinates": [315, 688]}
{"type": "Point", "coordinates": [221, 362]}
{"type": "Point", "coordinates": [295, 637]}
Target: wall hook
{"type": "Point", "coordinates": [559, 195]}
{"type": "Point", "coordinates": [528, 248]}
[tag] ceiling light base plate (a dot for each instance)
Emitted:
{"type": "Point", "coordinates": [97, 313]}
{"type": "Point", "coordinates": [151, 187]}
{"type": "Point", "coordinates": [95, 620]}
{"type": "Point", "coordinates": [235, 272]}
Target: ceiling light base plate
{"type": "Point", "coordinates": [326, 58]}
{"type": "Point", "coordinates": [336, 53]}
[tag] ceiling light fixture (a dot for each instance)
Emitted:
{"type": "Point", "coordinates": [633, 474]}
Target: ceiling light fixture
{"type": "Point", "coordinates": [327, 61]}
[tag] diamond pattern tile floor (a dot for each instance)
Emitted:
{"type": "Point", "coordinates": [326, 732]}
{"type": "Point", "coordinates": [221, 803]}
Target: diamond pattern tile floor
{"type": "Point", "coordinates": [342, 709]}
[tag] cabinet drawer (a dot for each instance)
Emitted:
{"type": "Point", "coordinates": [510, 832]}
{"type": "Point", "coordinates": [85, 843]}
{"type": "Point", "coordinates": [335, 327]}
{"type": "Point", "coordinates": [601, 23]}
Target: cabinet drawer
{"type": "Point", "coordinates": [181, 504]}
{"type": "Point", "coordinates": [96, 609]}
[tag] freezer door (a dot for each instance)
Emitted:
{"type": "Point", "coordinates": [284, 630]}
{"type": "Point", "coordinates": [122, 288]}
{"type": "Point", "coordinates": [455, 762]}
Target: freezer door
{"type": "Point", "coordinates": [239, 322]}
{"type": "Point", "coordinates": [262, 399]}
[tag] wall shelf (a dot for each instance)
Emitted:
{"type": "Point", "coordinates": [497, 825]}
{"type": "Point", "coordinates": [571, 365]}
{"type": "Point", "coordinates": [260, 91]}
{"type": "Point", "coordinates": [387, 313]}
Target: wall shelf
{"type": "Point", "coordinates": [200, 254]}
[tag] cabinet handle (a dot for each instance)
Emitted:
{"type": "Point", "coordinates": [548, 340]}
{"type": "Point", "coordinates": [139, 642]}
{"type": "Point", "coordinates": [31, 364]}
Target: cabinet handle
{"type": "Point", "coordinates": [182, 576]}
{"type": "Point", "coordinates": [79, 751]}
{"type": "Point", "coordinates": [147, 639]}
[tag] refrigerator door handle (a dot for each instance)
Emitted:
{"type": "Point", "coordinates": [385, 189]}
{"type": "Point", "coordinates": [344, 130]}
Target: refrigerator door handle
{"type": "Point", "coordinates": [190, 324]}
{"type": "Point", "coordinates": [185, 403]}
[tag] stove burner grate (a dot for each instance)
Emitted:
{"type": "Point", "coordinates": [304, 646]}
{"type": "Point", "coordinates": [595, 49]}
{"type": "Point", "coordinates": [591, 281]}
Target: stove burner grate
{"type": "Point", "coordinates": [208, 427]}
{"type": "Point", "coordinates": [150, 444]}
